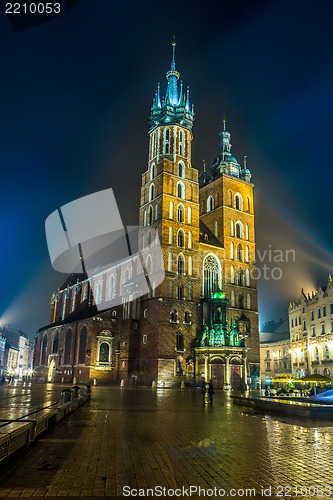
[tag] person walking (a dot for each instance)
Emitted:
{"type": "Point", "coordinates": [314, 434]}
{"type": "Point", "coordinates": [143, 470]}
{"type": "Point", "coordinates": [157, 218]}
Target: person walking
{"type": "Point", "coordinates": [210, 392]}
{"type": "Point", "coordinates": [203, 391]}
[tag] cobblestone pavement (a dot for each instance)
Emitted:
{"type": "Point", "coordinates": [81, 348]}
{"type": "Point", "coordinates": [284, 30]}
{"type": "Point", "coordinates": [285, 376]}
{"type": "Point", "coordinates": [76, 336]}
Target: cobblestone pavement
{"type": "Point", "coordinates": [143, 438]}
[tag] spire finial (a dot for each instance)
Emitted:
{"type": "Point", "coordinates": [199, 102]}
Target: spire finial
{"type": "Point", "coordinates": [173, 63]}
{"type": "Point", "coordinates": [245, 162]}
{"type": "Point", "coordinates": [224, 122]}
{"type": "Point", "coordinates": [204, 165]}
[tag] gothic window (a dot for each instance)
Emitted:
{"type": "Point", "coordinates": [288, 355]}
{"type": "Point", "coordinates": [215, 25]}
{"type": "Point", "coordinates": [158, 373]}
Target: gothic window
{"type": "Point", "coordinates": [211, 274]}
{"type": "Point", "coordinates": [151, 192]}
{"type": "Point", "coordinates": [43, 350]}
{"type": "Point", "coordinates": [181, 169]}
{"type": "Point", "coordinates": [240, 277]}
{"type": "Point", "coordinates": [145, 217]}
{"type": "Point", "coordinates": [247, 232]}
{"type": "Point", "coordinates": [156, 211]}
{"type": "Point", "coordinates": [190, 265]}
{"type": "Point", "coordinates": [187, 317]}
{"type": "Point", "coordinates": [189, 215]}
{"type": "Point", "coordinates": [181, 264]}
{"type": "Point", "coordinates": [231, 251]}
{"type": "Point", "coordinates": [232, 275]}
{"type": "Point", "coordinates": [82, 346]}
{"type": "Point", "coordinates": [233, 299]}
{"type": "Point", "coordinates": [181, 238]}
{"type": "Point", "coordinates": [248, 301]}
{"type": "Point", "coordinates": [170, 235]}
{"type": "Point", "coordinates": [180, 213]}
{"type": "Point", "coordinates": [179, 341]}
{"type": "Point", "coordinates": [167, 141]}
{"type": "Point", "coordinates": [247, 277]}
{"type": "Point", "coordinates": [239, 230]}
{"type": "Point", "coordinates": [247, 254]}
{"type": "Point", "coordinates": [73, 301]}
{"type": "Point", "coordinates": [210, 203]}
{"type": "Point", "coordinates": [189, 243]}
{"type": "Point", "coordinates": [170, 261]}
{"type": "Point", "coordinates": [180, 292]}
{"type": "Point", "coordinates": [238, 202]}
{"type": "Point", "coordinates": [111, 287]}
{"type": "Point", "coordinates": [148, 264]}
{"type": "Point", "coordinates": [171, 210]}
{"type": "Point", "coordinates": [152, 171]}
{"type": "Point", "coordinates": [55, 343]}
{"type": "Point", "coordinates": [149, 238]}
{"type": "Point", "coordinates": [173, 316]}
{"type": "Point", "coordinates": [63, 306]}
{"type": "Point", "coordinates": [98, 293]}
{"type": "Point", "coordinates": [240, 253]}
{"type": "Point", "coordinates": [190, 292]}
{"type": "Point", "coordinates": [180, 190]}
{"type": "Point", "coordinates": [327, 354]}
{"type": "Point", "coordinates": [68, 347]}
{"type": "Point", "coordinates": [150, 215]}
{"type": "Point", "coordinates": [241, 302]}
{"type": "Point", "coordinates": [104, 352]}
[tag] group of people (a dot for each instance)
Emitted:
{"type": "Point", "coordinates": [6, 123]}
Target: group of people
{"type": "Point", "coordinates": [207, 389]}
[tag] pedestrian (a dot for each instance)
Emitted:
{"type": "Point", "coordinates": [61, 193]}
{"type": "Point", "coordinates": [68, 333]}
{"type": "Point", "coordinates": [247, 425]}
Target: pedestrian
{"type": "Point", "coordinates": [210, 392]}
{"type": "Point", "coordinates": [203, 391]}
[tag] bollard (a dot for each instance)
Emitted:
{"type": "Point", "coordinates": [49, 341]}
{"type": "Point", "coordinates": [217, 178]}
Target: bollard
{"type": "Point", "coordinates": [122, 383]}
{"type": "Point", "coordinates": [182, 385]}
{"type": "Point", "coordinates": [66, 396]}
{"type": "Point", "coordinates": [75, 391]}
{"type": "Point", "coordinates": [95, 382]}
{"type": "Point", "coordinates": [153, 384]}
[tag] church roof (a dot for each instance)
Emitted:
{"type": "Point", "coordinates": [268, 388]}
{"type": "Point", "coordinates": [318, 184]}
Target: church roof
{"type": "Point", "coordinates": [208, 237]}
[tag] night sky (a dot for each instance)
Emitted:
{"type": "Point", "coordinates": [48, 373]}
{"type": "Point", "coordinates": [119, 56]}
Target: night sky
{"type": "Point", "coordinates": [75, 100]}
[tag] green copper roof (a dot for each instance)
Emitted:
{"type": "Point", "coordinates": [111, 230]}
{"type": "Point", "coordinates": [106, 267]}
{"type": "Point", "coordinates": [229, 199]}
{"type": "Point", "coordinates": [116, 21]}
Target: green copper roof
{"type": "Point", "coordinates": [218, 294]}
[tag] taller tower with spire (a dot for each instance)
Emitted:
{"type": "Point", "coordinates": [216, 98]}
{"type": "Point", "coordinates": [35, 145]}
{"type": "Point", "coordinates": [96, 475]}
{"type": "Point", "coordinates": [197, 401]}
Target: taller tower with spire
{"type": "Point", "coordinates": [170, 204]}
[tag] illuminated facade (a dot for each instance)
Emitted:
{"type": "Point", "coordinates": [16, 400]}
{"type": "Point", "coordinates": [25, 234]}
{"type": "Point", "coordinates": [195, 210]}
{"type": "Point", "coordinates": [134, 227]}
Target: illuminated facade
{"type": "Point", "coordinates": [311, 332]}
{"type": "Point", "coordinates": [186, 327]}
{"type": "Point", "coordinates": [275, 351]}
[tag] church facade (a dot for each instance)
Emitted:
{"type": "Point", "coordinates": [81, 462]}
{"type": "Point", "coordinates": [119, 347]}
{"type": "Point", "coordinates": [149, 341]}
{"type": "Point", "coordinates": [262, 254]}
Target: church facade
{"type": "Point", "coordinates": [202, 319]}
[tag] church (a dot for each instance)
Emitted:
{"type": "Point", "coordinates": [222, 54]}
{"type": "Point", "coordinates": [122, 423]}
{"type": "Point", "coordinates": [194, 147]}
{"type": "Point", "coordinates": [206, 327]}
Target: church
{"type": "Point", "coordinates": [201, 320]}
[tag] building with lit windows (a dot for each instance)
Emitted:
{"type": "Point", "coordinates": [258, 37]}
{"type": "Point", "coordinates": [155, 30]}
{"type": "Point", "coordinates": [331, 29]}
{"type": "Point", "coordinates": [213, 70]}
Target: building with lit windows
{"type": "Point", "coordinates": [311, 332]}
{"type": "Point", "coordinates": [275, 351]}
{"type": "Point", "coordinates": [202, 320]}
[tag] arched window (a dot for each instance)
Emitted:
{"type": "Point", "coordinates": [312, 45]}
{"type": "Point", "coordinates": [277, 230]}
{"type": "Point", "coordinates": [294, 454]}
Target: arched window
{"type": "Point", "coordinates": [152, 171]}
{"type": "Point", "coordinates": [151, 192]}
{"type": "Point", "coordinates": [241, 302]}
{"type": "Point", "coordinates": [156, 211]}
{"type": "Point", "coordinates": [170, 235]}
{"type": "Point", "coordinates": [190, 292]}
{"type": "Point", "coordinates": [148, 264]}
{"type": "Point", "coordinates": [173, 316]}
{"type": "Point", "coordinates": [149, 238]}
{"type": "Point", "coordinates": [181, 238]}
{"type": "Point", "coordinates": [210, 203]}
{"type": "Point", "coordinates": [180, 190]}
{"type": "Point", "coordinates": [240, 277]}
{"type": "Point", "coordinates": [189, 215]}
{"type": "Point", "coordinates": [231, 251]}
{"type": "Point", "coordinates": [82, 345]}
{"type": "Point", "coordinates": [232, 228]}
{"type": "Point", "coordinates": [190, 265]}
{"type": "Point", "coordinates": [68, 347]}
{"type": "Point", "coordinates": [247, 254]}
{"type": "Point", "coordinates": [171, 209]}
{"type": "Point", "coordinates": [238, 202]}
{"type": "Point", "coordinates": [73, 300]}
{"type": "Point", "coordinates": [232, 275]}
{"type": "Point", "coordinates": [64, 305]}
{"type": "Point", "coordinates": [248, 205]}
{"type": "Point", "coordinates": [145, 217]}
{"type": "Point", "coordinates": [180, 292]}
{"type": "Point", "coordinates": [247, 277]}
{"type": "Point", "coordinates": [104, 352]}
{"type": "Point", "coordinates": [181, 264]}
{"type": "Point", "coordinates": [179, 341]}
{"type": "Point", "coordinates": [150, 215]}
{"type": "Point", "coordinates": [55, 343]}
{"type": "Point", "coordinates": [126, 277]}
{"type": "Point", "coordinates": [248, 301]}
{"type": "Point", "coordinates": [98, 293]}
{"type": "Point", "coordinates": [111, 287]}
{"type": "Point", "coordinates": [239, 230]}
{"type": "Point", "coordinates": [170, 262]}
{"type": "Point", "coordinates": [189, 243]}
{"type": "Point", "coordinates": [43, 350]}
{"type": "Point", "coordinates": [247, 236]}
{"type": "Point", "coordinates": [166, 143]}
{"type": "Point", "coordinates": [181, 169]}
{"type": "Point", "coordinates": [232, 299]}
{"type": "Point", "coordinates": [180, 213]}
{"type": "Point", "coordinates": [240, 253]}
{"type": "Point", "coordinates": [211, 274]}
{"type": "Point", "coordinates": [181, 144]}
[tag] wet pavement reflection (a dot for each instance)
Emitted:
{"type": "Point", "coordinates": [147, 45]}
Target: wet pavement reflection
{"type": "Point", "coordinates": [144, 438]}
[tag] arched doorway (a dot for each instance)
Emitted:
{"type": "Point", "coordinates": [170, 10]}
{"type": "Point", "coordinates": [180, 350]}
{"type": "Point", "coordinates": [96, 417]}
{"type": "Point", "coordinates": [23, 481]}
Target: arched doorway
{"type": "Point", "coordinates": [235, 374]}
{"type": "Point", "coordinates": [217, 370]}
{"type": "Point", "coordinates": [52, 371]}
